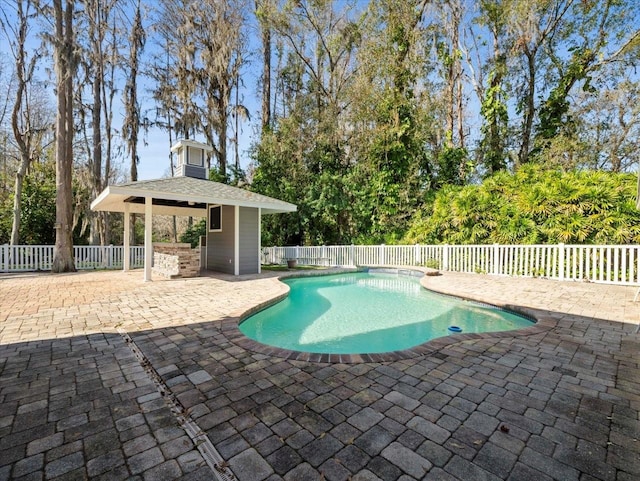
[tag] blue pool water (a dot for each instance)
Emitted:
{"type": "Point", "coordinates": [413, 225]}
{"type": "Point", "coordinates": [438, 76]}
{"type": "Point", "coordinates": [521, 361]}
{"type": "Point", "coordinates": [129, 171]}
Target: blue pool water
{"type": "Point", "coordinates": [359, 313]}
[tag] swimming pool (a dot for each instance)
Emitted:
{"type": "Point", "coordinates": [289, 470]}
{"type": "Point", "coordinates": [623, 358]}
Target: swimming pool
{"type": "Point", "coordinates": [368, 312]}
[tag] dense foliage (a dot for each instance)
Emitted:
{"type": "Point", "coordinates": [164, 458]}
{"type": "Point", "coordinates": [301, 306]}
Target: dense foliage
{"type": "Point", "coordinates": [535, 205]}
{"type": "Point", "coordinates": [372, 133]}
{"type": "Point", "coordinates": [373, 114]}
{"type": "Point", "coordinates": [193, 233]}
{"type": "Point", "coordinates": [39, 208]}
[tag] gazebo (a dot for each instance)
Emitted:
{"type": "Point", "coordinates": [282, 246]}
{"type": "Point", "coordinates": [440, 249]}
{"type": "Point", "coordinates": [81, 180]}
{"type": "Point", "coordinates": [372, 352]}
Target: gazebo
{"type": "Point", "coordinates": [232, 215]}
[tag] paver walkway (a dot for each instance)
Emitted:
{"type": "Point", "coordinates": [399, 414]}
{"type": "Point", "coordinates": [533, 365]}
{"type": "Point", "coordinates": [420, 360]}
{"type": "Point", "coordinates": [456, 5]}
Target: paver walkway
{"type": "Point", "coordinates": [76, 403]}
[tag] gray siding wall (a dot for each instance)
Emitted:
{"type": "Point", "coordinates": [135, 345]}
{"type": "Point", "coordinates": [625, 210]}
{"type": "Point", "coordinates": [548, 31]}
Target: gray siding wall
{"type": "Point", "coordinates": [193, 171]}
{"type": "Point", "coordinates": [249, 240]}
{"type": "Point", "coordinates": [220, 244]}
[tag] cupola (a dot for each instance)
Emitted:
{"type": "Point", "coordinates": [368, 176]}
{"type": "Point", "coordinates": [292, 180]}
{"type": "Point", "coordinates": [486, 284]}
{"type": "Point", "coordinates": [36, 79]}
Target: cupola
{"type": "Point", "coordinates": [191, 158]}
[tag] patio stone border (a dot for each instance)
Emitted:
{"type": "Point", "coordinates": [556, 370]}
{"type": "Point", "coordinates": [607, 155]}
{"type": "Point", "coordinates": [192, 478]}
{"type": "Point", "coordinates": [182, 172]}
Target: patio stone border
{"type": "Point", "coordinates": [230, 327]}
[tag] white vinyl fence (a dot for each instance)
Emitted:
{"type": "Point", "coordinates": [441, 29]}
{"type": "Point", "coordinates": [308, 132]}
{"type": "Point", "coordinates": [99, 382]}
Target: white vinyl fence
{"type": "Point", "coordinates": [614, 264]}
{"type": "Point", "coordinates": [40, 258]}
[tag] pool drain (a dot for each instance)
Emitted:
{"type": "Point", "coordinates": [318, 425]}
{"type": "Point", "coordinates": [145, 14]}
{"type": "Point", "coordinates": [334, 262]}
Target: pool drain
{"type": "Point", "coordinates": [200, 440]}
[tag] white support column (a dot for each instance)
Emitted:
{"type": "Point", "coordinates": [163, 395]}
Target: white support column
{"type": "Point", "coordinates": [148, 241]}
{"type": "Point", "coordinates": [236, 240]}
{"type": "Point", "coordinates": [125, 255]}
{"type": "Point", "coordinates": [259, 240]}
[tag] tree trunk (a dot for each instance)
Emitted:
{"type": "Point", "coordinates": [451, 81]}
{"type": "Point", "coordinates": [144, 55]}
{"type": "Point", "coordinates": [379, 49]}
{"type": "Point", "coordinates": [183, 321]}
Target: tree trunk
{"type": "Point", "coordinates": [96, 162]}
{"type": "Point", "coordinates": [496, 132]}
{"type": "Point", "coordinates": [223, 116]}
{"type": "Point", "coordinates": [107, 101]}
{"type": "Point", "coordinates": [132, 121]}
{"type": "Point", "coordinates": [452, 75]}
{"type": "Point", "coordinates": [266, 75]}
{"type": "Point", "coordinates": [17, 202]}
{"type": "Point", "coordinates": [22, 140]}
{"type": "Point", "coordinates": [460, 103]}
{"type": "Point", "coordinates": [172, 170]}
{"type": "Point", "coordinates": [237, 125]}
{"type": "Point", "coordinates": [64, 68]}
{"type": "Point", "coordinates": [97, 13]}
{"type": "Point", "coordinates": [527, 124]}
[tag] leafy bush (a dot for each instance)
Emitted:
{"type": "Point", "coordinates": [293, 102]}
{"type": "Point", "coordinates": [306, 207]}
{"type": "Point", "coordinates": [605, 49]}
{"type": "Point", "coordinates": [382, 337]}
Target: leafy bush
{"type": "Point", "coordinates": [193, 233]}
{"type": "Point", "coordinates": [38, 208]}
{"type": "Point", "coordinates": [533, 205]}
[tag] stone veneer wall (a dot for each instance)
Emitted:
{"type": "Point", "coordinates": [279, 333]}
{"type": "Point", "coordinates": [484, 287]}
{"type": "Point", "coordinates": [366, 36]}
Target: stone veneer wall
{"type": "Point", "coordinates": [176, 260]}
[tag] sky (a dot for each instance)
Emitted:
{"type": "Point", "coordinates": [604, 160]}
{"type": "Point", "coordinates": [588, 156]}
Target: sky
{"type": "Point", "coordinates": [153, 148]}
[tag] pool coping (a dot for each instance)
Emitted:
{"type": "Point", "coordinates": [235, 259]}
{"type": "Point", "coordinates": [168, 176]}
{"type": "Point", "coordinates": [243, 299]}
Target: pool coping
{"type": "Point", "coordinates": [230, 327]}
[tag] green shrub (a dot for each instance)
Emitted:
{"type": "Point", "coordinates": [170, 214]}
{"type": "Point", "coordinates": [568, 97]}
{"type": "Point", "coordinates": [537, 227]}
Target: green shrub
{"type": "Point", "coordinates": [193, 233]}
{"type": "Point", "coordinates": [534, 205]}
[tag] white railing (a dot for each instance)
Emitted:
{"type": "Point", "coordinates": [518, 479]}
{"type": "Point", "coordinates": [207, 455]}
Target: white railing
{"type": "Point", "coordinates": [40, 258]}
{"type": "Point", "coordinates": [615, 264]}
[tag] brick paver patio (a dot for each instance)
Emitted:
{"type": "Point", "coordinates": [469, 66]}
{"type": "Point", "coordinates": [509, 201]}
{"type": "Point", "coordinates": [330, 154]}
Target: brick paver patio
{"type": "Point", "coordinates": [76, 402]}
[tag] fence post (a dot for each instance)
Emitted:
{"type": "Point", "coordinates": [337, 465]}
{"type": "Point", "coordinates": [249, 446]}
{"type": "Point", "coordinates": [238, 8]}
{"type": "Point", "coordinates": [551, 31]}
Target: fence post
{"type": "Point", "coordinates": [561, 261]}
{"type": "Point", "coordinates": [352, 255]}
{"type": "Point", "coordinates": [381, 257]}
{"type": "Point", "coordinates": [445, 257]}
{"type": "Point", "coordinates": [417, 255]}
{"type": "Point", "coordinates": [5, 258]}
{"type": "Point", "coordinates": [495, 260]}
{"type": "Point", "coordinates": [110, 257]}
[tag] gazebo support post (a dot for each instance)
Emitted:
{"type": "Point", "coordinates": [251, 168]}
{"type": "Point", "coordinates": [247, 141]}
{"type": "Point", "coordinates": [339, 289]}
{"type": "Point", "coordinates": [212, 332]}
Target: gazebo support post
{"type": "Point", "coordinates": [236, 240]}
{"type": "Point", "coordinates": [126, 255]}
{"type": "Point", "coordinates": [259, 240]}
{"type": "Point", "coordinates": [148, 241]}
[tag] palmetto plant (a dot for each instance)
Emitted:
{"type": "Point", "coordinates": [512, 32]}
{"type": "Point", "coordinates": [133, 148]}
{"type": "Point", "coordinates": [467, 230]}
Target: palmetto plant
{"type": "Point", "coordinates": [534, 205]}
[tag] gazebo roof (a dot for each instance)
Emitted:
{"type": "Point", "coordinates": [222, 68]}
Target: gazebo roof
{"type": "Point", "coordinates": [184, 196]}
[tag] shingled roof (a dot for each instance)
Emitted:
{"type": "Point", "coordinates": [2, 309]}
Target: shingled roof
{"type": "Point", "coordinates": [185, 196]}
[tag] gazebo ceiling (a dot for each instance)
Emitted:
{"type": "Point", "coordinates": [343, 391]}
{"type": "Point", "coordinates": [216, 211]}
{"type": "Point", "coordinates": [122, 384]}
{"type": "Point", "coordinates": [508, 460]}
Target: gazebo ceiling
{"type": "Point", "coordinates": [183, 196]}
